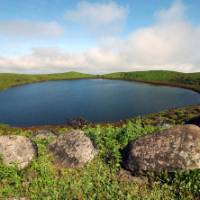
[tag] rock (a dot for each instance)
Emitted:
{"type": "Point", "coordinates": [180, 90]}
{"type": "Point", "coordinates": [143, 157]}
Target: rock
{"type": "Point", "coordinates": [126, 176]}
{"type": "Point", "coordinates": [73, 149]}
{"type": "Point", "coordinates": [195, 121]}
{"type": "Point", "coordinates": [174, 149]}
{"type": "Point", "coordinates": [78, 122]}
{"type": "Point", "coordinates": [165, 125]}
{"type": "Point", "coordinates": [18, 149]}
{"type": "Point", "coordinates": [20, 198]}
{"type": "Point", "coordinates": [44, 134]}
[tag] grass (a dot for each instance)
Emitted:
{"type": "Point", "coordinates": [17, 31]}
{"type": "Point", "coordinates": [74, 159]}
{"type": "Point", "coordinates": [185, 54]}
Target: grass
{"type": "Point", "coordinates": [171, 78]}
{"type": "Point", "coordinates": [97, 180]}
{"type": "Point", "coordinates": [44, 179]}
{"type": "Point", "coordinates": [10, 80]}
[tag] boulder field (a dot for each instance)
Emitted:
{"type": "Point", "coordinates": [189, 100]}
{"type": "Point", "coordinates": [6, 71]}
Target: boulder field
{"type": "Point", "coordinates": [177, 148]}
{"type": "Point", "coordinates": [71, 149]}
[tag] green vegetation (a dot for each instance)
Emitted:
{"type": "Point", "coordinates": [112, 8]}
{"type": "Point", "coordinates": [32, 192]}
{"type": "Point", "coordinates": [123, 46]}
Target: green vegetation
{"type": "Point", "coordinates": [10, 80]}
{"type": "Point", "coordinates": [172, 116]}
{"type": "Point", "coordinates": [97, 180]}
{"type": "Point", "coordinates": [186, 80]}
{"type": "Point", "coordinates": [100, 179]}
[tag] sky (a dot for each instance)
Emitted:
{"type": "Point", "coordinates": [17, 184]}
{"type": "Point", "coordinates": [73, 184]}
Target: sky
{"type": "Point", "coordinates": [93, 36]}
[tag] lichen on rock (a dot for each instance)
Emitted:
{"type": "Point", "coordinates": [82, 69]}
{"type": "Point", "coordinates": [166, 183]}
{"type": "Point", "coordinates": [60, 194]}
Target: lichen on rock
{"type": "Point", "coordinates": [173, 149]}
{"type": "Point", "coordinates": [16, 149]}
{"type": "Point", "coordinates": [73, 149]}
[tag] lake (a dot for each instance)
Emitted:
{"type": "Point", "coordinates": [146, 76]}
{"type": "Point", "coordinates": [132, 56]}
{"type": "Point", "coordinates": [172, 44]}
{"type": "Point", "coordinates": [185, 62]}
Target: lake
{"type": "Point", "coordinates": [55, 102]}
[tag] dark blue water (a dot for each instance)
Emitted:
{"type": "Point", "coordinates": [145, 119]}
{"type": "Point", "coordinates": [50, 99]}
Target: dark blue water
{"type": "Point", "coordinates": [55, 102]}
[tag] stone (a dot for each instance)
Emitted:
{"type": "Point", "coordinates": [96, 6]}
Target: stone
{"type": "Point", "coordinates": [126, 176]}
{"type": "Point", "coordinates": [16, 149]}
{"type": "Point", "coordinates": [173, 149]}
{"type": "Point", "coordinates": [73, 149]}
{"type": "Point", "coordinates": [44, 134]}
{"type": "Point", "coordinates": [195, 121]}
{"type": "Point", "coordinates": [165, 125]}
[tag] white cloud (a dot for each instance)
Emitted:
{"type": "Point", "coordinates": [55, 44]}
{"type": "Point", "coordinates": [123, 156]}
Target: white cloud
{"type": "Point", "coordinates": [100, 18]}
{"type": "Point", "coordinates": [172, 43]}
{"type": "Point", "coordinates": [175, 12]}
{"type": "Point", "coordinates": [30, 29]}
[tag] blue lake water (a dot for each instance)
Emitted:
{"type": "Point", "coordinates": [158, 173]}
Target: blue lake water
{"type": "Point", "coordinates": [55, 102]}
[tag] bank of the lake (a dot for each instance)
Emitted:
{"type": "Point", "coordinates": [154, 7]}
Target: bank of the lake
{"type": "Point", "coordinates": [160, 77]}
{"type": "Point", "coordinates": [8, 80]}
{"type": "Point", "coordinates": [56, 102]}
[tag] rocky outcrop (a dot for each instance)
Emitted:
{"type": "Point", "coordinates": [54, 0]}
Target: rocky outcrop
{"type": "Point", "coordinates": [16, 149]}
{"type": "Point", "coordinates": [177, 148]}
{"type": "Point", "coordinates": [73, 149]}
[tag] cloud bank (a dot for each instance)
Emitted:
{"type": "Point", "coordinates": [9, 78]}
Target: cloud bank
{"type": "Point", "coordinates": [171, 43]}
{"type": "Point", "coordinates": [25, 29]}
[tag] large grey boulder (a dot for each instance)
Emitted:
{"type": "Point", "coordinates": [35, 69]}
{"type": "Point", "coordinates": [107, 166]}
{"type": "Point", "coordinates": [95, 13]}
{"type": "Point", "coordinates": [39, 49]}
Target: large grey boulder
{"type": "Point", "coordinates": [177, 148]}
{"type": "Point", "coordinates": [16, 149]}
{"type": "Point", "coordinates": [73, 149]}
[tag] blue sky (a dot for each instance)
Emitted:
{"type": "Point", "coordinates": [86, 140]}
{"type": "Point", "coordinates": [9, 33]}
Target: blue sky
{"type": "Point", "coordinates": [42, 36]}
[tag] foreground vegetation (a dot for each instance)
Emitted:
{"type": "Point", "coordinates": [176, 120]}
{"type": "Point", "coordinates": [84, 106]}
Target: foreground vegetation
{"type": "Point", "coordinates": [171, 78]}
{"type": "Point", "coordinates": [104, 177]}
{"type": "Point", "coordinates": [10, 80]}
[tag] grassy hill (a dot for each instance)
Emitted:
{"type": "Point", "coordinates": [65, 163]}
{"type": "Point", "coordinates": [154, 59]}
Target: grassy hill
{"type": "Point", "coordinates": [8, 80]}
{"type": "Point", "coordinates": [186, 80]}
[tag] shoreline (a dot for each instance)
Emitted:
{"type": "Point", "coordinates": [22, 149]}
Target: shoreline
{"type": "Point", "coordinates": [117, 123]}
{"type": "Point", "coordinates": [171, 113]}
{"type": "Point", "coordinates": [41, 81]}
{"type": "Point", "coordinates": [159, 83]}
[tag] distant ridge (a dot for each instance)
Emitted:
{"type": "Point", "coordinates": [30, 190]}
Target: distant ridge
{"type": "Point", "coordinates": [161, 77]}
{"type": "Point", "coordinates": [10, 79]}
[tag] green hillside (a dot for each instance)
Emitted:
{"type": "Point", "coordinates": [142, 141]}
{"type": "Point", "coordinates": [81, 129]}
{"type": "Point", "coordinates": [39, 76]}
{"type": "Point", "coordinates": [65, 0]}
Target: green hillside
{"type": "Point", "coordinates": [9, 80]}
{"type": "Point", "coordinates": [187, 80]}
